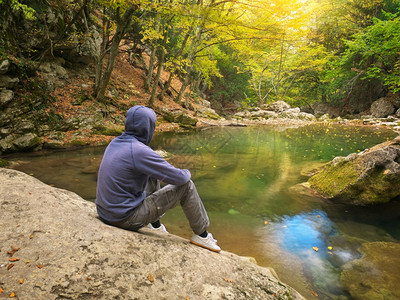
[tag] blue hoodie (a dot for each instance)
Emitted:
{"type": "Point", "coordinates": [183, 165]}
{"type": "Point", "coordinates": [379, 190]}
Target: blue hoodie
{"type": "Point", "coordinates": [127, 164]}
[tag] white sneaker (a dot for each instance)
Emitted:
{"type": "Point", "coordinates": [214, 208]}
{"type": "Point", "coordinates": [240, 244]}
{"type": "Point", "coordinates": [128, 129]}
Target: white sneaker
{"type": "Point", "coordinates": [208, 242]}
{"type": "Point", "coordinates": [160, 229]}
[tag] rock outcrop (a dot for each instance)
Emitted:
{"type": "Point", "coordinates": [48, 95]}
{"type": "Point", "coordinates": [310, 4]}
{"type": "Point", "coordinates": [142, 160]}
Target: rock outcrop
{"type": "Point", "coordinates": [372, 176]}
{"type": "Point", "coordinates": [274, 111]}
{"type": "Point", "coordinates": [53, 246]}
{"type": "Point", "coordinates": [382, 108]}
{"type": "Point", "coordinates": [16, 128]}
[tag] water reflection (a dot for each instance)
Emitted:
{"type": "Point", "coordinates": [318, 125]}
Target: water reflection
{"type": "Point", "coordinates": [308, 236]}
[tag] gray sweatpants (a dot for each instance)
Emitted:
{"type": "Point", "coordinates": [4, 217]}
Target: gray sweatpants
{"type": "Point", "coordinates": [159, 200]}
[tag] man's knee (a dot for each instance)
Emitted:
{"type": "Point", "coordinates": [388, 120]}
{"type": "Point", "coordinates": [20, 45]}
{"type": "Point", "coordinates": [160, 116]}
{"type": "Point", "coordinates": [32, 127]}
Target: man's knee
{"type": "Point", "coordinates": [187, 186]}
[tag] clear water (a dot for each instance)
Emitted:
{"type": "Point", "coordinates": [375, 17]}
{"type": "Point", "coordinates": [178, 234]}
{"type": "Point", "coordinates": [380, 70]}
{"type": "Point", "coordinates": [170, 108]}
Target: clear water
{"type": "Point", "coordinates": [246, 178]}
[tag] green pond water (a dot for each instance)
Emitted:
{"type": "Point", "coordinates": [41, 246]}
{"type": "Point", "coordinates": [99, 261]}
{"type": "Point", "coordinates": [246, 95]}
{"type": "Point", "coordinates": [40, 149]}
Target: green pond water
{"type": "Point", "coordinates": [246, 178]}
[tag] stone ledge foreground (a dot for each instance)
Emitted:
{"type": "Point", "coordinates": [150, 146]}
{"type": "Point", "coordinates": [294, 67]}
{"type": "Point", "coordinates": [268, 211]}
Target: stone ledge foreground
{"type": "Point", "coordinates": [66, 252]}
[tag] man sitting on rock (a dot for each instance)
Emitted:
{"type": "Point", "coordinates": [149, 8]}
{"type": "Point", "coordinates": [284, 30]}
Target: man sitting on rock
{"type": "Point", "coordinates": [128, 189]}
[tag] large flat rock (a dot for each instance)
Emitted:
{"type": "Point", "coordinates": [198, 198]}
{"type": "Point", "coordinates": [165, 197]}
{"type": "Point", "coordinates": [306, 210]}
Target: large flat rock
{"type": "Point", "coordinates": [61, 250]}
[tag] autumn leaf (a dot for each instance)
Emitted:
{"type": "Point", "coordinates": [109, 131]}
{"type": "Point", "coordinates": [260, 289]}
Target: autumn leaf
{"type": "Point", "coordinates": [315, 249]}
{"type": "Point", "coordinates": [228, 280]}
{"type": "Point", "coordinates": [12, 251]}
{"type": "Point", "coordinates": [10, 266]}
{"type": "Point", "coordinates": [151, 278]}
{"type": "Point", "coordinates": [1, 290]}
{"type": "Point", "coordinates": [12, 295]}
{"type": "Point", "coordinates": [40, 266]}
{"type": "Point", "coordinates": [314, 293]}
{"type": "Point", "coordinates": [21, 281]}
{"type": "Point", "coordinates": [14, 259]}
{"type": "Point", "coordinates": [330, 248]}
{"type": "Point", "coordinates": [386, 172]}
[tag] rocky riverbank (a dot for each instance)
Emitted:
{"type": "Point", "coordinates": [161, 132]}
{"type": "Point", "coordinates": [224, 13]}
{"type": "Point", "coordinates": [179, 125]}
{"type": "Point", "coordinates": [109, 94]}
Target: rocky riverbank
{"type": "Point", "coordinates": [53, 246]}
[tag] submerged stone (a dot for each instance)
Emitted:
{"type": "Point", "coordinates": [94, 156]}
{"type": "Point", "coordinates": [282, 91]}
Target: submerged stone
{"type": "Point", "coordinates": [376, 275]}
{"type": "Point", "coordinates": [372, 176]}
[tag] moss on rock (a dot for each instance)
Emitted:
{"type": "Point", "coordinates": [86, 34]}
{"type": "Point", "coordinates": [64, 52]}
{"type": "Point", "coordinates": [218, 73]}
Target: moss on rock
{"type": "Point", "coordinates": [372, 176]}
{"type": "Point", "coordinates": [334, 179]}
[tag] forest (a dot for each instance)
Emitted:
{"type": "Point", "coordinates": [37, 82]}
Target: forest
{"type": "Point", "coordinates": [314, 199]}
{"type": "Point", "coordinates": [230, 51]}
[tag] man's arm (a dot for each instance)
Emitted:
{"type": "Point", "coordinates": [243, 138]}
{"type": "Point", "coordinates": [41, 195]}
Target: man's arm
{"type": "Point", "coordinates": [150, 163]}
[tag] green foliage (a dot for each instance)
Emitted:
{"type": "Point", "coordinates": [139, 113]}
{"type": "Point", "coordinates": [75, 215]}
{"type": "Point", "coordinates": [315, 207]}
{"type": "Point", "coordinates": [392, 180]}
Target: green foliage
{"type": "Point", "coordinates": [233, 84]}
{"type": "Point", "coordinates": [297, 51]}
{"type": "Point", "coordinates": [375, 53]}
{"type": "Point", "coordinates": [4, 163]}
{"type": "Point", "coordinates": [17, 6]}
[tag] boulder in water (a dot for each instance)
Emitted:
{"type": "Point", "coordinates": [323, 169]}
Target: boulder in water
{"type": "Point", "coordinates": [372, 176]}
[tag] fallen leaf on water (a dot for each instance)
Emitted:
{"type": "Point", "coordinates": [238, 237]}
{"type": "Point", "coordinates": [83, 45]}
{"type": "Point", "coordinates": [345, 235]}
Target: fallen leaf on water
{"type": "Point", "coordinates": [151, 278]}
{"type": "Point", "coordinates": [14, 259]}
{"type": "Point", "coordinates": [330, 248]}
{"type": "Point", "coordinates": [10, 266]}
{"type": "Point", "coordinates": [315, 249]}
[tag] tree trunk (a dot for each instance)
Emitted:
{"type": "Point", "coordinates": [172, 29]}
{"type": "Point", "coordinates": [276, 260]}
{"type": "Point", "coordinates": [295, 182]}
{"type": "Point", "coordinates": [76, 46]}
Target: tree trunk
{"type": "Point", "coordinates": [166, 87]}
{"type": "Point", "coordinates": [159, 69]}
{"type": "Point", "coordinates": [177, 55]}
{"type": "Point", "coordinates": [122, 26]}
{"type": "Point", "coordinates": [150, 69]}
{"type": "Point", "coordinates": [192, 50]}
{"type": "Point", "coordinates": [102, 54]}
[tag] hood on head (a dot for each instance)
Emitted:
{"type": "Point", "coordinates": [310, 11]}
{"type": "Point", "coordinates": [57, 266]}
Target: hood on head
{"type": "Point", "coordinates": [141, 122]}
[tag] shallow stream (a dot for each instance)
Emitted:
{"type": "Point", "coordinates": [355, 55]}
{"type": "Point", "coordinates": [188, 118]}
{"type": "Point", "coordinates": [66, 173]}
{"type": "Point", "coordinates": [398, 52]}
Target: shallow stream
{"type": "Point", "coordinates": [246, 178]}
